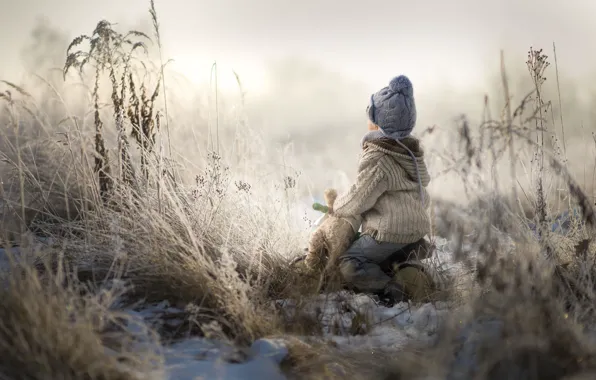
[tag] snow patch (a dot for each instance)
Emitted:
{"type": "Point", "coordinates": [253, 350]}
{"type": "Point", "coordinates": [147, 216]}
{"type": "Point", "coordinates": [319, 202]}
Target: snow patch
{"type": "Point", "coordinates": [350, 322]}
{"type": "Point", "coordinates": [203, 359]}
{"type": "Point", "coordinates": [355, 322]}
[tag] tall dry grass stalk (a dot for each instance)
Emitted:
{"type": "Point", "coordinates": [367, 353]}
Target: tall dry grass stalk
{"type": "Point", "coordinates": [156, 30]}
{"type": "Point", "coordinates": [537, 64]}
{"type": "Point", "coordinates": [112, 53]}
{"type": "Point", "coordinates": [214, 78]}
{"type": "Point", "coordinates": [560, 103]}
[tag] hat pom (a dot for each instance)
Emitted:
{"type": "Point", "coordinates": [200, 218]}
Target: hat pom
{"type": "Point", "coordinates": [401, 84]}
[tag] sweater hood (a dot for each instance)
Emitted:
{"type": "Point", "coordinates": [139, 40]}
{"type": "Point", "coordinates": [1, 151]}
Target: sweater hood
{"type": "Point", "coordinates": [401, 156]}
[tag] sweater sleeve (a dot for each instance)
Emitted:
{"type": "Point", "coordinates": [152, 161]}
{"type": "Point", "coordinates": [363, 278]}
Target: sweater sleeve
{"type": "Point", "coordinates": [363, 194]}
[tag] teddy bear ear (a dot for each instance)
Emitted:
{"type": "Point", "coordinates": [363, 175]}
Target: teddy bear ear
{"type": "Point", "coordinates": [330, 196]}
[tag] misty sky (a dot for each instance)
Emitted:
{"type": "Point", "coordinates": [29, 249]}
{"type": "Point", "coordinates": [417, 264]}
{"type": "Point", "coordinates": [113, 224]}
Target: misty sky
{"type": "Point", "coordinates": [452, 41]}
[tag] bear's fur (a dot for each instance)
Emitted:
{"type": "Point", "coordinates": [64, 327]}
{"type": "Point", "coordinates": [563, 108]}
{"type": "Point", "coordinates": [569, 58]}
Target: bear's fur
{"type": "Point", "coordinates": [331, 238]}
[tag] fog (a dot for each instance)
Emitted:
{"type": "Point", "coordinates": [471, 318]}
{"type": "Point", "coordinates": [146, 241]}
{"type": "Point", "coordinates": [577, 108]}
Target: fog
{"type": "Point", "coordinates": [307, 68]}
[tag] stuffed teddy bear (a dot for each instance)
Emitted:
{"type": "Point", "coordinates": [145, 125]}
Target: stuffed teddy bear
{"type": "Point", "coordinates": [331, 238]}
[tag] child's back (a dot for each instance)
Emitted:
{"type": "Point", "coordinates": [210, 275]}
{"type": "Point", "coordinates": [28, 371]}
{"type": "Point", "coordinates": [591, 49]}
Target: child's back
{"type": "Point", "coordinates": [393, 201]}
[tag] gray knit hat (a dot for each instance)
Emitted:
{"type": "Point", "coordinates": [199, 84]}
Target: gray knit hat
{"type": "Point", "coordinates": [393, 108]}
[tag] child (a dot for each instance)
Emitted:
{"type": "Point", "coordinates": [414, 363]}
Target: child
{"type": "Point", "coordinates": [389, 194]}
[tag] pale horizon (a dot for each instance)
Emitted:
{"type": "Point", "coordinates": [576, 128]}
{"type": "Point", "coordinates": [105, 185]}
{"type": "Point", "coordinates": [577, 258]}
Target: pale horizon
{"type": "Point", "coordinates": [456, 43]}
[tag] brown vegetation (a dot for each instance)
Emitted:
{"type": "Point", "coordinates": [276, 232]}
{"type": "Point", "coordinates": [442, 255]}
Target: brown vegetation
{"type": "Point", "coordinates": [222, 255]}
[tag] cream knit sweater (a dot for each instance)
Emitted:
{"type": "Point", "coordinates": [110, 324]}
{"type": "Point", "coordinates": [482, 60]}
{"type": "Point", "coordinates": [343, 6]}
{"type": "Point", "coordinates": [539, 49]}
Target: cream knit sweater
{"type": "Point", "coordinates": [386, 194]}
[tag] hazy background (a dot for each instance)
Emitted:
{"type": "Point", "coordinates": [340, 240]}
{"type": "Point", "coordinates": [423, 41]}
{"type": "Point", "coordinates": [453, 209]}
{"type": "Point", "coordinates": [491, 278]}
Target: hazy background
{"type": "Point", "coordinates": [307, 68]}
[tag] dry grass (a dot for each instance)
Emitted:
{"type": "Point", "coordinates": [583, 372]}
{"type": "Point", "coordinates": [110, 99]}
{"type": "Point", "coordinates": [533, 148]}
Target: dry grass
{"type": "Point", "coordinates": [538, 292]}
{"type": "Point", "coordinates": [217, 248]}
{"type": "Point", "coordinates": [52, 328]}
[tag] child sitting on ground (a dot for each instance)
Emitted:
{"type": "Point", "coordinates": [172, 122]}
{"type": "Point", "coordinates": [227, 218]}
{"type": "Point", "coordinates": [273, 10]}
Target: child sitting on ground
{"type": "Point", "coordinates": [389, 193]}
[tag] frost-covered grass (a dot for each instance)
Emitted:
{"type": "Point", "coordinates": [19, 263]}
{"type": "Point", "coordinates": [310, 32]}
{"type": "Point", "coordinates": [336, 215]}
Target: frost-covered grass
{"type": "Point", "coordinates": [348, 323]}
{"type": "Point", "coordinates": [134, 261]}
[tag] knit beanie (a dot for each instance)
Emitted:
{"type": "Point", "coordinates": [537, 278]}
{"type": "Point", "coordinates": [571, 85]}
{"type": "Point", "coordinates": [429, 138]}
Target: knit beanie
{"type": "Point", "coordinates": [393, 109]}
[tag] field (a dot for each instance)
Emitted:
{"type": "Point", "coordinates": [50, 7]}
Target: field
{"type": "Point", "coordinates": [141, 240]}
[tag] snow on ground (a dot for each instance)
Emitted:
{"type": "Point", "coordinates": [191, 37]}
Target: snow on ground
{"type": "Point", "coordinates": [349, 322]}
{"type": "Point", "coordinates": [201, 358]}
{"type": "Point", "coordinates": [357, 322]}
{"type": "Point", "coordinates": [15, 253]}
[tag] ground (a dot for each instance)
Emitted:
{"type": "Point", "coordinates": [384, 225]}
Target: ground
{"type": "Point", "coordinates": [350, 323]}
